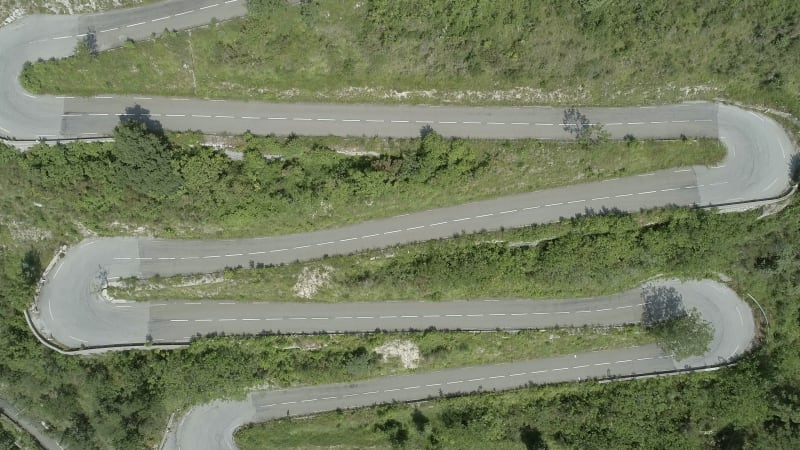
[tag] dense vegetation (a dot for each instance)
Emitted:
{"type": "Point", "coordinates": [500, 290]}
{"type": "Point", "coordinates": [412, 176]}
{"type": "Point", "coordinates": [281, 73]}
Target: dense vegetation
{"type": "Point", "coordinates": [574, 51]}
{"type": "Point", "coordinates": [507, 51]}
{"type": "Point", "coordinates": [175, 186]}
{"type": "Point", "coordinates": [753, 405]}
{"type": "Point", "coordinates": [122, 400]}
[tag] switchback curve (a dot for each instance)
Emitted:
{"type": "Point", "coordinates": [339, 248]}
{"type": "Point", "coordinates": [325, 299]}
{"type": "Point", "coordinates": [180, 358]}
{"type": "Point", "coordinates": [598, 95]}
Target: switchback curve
{"type": "Point", "coordinates": [756, 167]}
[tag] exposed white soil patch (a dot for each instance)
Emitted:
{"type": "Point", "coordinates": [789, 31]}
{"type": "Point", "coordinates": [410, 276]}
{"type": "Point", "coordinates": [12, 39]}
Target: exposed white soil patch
{"type": "Point", "coordinates": [491, 242]}
{"type": "Point", "coordinates": [774, 208]}
{"type": "Point", "coordinates": [20, 231]}
{"type": "Point", "coordinates": [147, 285]}
{"type": "Point", "coordinates": [526, 243]}
{"type": "Point", "coordinates": [84, 230]}
{"type": "Point", "coordinates": [109, 298]}
{"type": "Point", "coordinates": [222, 144]}
{"type": "Point", "coordinates": [259, 387]}
{"type": "Point", "coordinates": [385, 256]}
{"type": "Point", "coordinates": [324, 210]}
{"type": "Point", "coordinates": [407, 351]}
{"type": "Point", "coordinates": [11, 10]}
{"type": "Point", "coordinates": [356, 152]}
{"type": "Point", "coordinates": [305, 346]}
{"type": "Point", "coordinates": [310, 280]}
{"type": "Point", "coordinates": [518, 94]}
{"type": "Point", "coordinates": [201, 280]}
{"type": "Point", "coordinates": [130, 229]}
{"type": "Point", "coordinates": [654, 277]}
{"type": "Point", "coordinates": [13, 15]}
{"type": "Point", "coordinates": [526, 94]}
{"type": "Point", "coordinates": [521, 94]}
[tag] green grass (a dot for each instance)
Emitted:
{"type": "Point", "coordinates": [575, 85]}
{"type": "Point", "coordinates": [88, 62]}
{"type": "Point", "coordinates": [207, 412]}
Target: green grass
{"type": "Point", "coordinates": [198, 192]}
{"type": "Point", "coordinates": [752, 404]}
{"type": "Point", "coordinates": [748, 50]}
{"type": "Point", "coordinates": [493, 52]}
{"type": "Point", "coordinates": [122, 400]}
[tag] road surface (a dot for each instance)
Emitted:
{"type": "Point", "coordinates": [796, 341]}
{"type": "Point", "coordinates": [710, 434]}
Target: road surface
{"type": "Point", "coordinates": [71, 311]}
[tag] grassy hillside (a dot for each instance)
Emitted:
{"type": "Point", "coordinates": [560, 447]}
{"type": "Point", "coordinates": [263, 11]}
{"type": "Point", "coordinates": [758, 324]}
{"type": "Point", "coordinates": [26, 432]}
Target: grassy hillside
{"type": "Point", "coordinates": [593, 256]}
{"type": "Point", "coordinates": [123, 400]}
{"type": "Point", "coordinates": [691, 412]}
{"type": "Point", "coordinates": [753, 405]}
{"type": "Point", "coordinates": [173, 186]}
{"type": "Point", "coordinates": [490, 51]}
{"type": "Point", "coordinates": [564, 52]}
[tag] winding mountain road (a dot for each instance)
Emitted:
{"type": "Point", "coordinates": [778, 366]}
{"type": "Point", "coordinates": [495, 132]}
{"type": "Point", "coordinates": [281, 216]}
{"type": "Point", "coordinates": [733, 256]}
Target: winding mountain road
{"type": "Point", "coordinates": [71, 312]}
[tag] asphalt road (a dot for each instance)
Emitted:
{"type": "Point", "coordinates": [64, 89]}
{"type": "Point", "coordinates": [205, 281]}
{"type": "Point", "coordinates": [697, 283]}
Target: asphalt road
{"type": "Point", "coordinates": [733, 332]}
{"type": "Point", "coordinates": [72, 312]}
{"type": "Point", "coordinates": [227, 416]}
{"type": "Point", "coordinates": [212, 425]}
{"type": "Point", "coordinates": [756, 170]}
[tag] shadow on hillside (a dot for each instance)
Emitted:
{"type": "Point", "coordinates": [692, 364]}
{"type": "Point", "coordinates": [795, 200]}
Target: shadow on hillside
{"type": "Point", "coordinates": [794, 168]}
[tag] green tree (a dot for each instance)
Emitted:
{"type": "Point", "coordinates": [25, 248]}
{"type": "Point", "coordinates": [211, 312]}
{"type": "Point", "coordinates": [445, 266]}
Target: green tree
{"type": "Point", "coordinates": [594, 135]}
{"type": "Point", "coordinates": [577, 124]}
{"type": "Point", "coordinates": [685, 336]}
{"type": "Point", "coordinates": [678, 331]}
{"type": "Point", "coordinates": [433, 149]}
{"type": "Point", "coordinates": [143, 160]}
{"type": "Point", "coordinates": [6, 438]}
{"type": "Point", "coordinates": [202, 169]}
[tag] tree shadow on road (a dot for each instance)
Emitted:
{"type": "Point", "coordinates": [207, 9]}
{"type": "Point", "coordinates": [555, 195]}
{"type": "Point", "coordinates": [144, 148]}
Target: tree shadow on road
{"type": "Point", "coordinates": [661, 304]}
{"type": "Point", "coordinates": [137, 113]}
{"type": "Point", "coordinates": [575, 122]}
{"type": "Point", "coordinates": [91, 41]}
